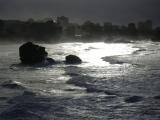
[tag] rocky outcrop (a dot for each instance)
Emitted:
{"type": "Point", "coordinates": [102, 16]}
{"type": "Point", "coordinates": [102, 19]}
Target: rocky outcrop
{"type": "Point", "coordinates": [73, 59]}
{"type": "Point", "coordinates": [32, 54]}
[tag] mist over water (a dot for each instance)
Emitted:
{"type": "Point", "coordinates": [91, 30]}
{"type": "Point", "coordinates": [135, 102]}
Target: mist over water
{"type": "Point", "coordinates": [115, 81]}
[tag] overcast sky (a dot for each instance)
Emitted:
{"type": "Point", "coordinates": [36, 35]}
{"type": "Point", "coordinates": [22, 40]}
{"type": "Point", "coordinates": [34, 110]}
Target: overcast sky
{"type": "Point", "coordinates": [116, 11]}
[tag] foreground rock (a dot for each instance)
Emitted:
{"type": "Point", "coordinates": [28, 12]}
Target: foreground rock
{"type": "Point", "coordinates": [72, 59]}
{"type": "Point", "coordinates": [32, 54]}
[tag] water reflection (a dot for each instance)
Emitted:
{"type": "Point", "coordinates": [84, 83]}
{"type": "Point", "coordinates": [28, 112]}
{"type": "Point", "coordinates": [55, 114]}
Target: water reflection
{"type": "Point", "coordinates": [93, 65]}
{"type": "Point", "coordinates": [93, 56]}
{"type": "Point", "coordinates": [91, 53]}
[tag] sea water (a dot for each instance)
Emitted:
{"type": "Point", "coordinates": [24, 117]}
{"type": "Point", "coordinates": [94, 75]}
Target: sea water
{"type": "Point", "coordinates": [116, 81]}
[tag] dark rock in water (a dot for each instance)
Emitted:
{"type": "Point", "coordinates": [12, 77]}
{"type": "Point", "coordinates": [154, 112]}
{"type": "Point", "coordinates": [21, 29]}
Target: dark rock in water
{"type": "Point", "coordinates": [157, 97]}
{"type": "Point", "coordinates": [51, 61]}
{"type": "Point", "coordinates": [110, 93]}
{"type": "Point", "coordinates": [91, 90]}
{"type": "Point", "coordinates": [12, 85]}
{"type": "Point", "coordinates": [133, 99]}
{"type": "Point", "coordinates": [70, 90]}
{"type": "Point", "coordinates": [29, 93]}
{"type": "Point", "coordinates": [72, 59]}
{"type": "Point", "coordinates": [32, 54]}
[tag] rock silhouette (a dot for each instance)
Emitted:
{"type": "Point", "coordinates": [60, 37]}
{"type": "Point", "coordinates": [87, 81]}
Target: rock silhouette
{"type": "Point", "coordinates": [73, 59]}
{"type": "Point", "coordinates": [32, 54]}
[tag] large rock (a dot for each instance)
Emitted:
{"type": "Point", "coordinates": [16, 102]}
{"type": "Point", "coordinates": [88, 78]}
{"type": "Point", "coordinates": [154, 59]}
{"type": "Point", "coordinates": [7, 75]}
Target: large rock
{"type": "Point", "coordinates": [72, 59]}
{"type": "Point", "coordinates": [32, 54]}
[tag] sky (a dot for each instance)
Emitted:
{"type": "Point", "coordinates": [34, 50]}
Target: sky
{"type": "Point", "coordinates": [115, 11]}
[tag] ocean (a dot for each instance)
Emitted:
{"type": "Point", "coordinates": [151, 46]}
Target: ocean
{"type": "Point", "coordinates": [116, 81]}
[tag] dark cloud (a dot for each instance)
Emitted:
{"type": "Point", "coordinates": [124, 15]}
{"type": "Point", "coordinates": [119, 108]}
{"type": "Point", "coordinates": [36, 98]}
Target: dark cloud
{"type": "Point", "coordinates": [117, 11]}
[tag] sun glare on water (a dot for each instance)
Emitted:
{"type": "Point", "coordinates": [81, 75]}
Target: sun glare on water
{"type": "Point", "coordinates": [92, 53]}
